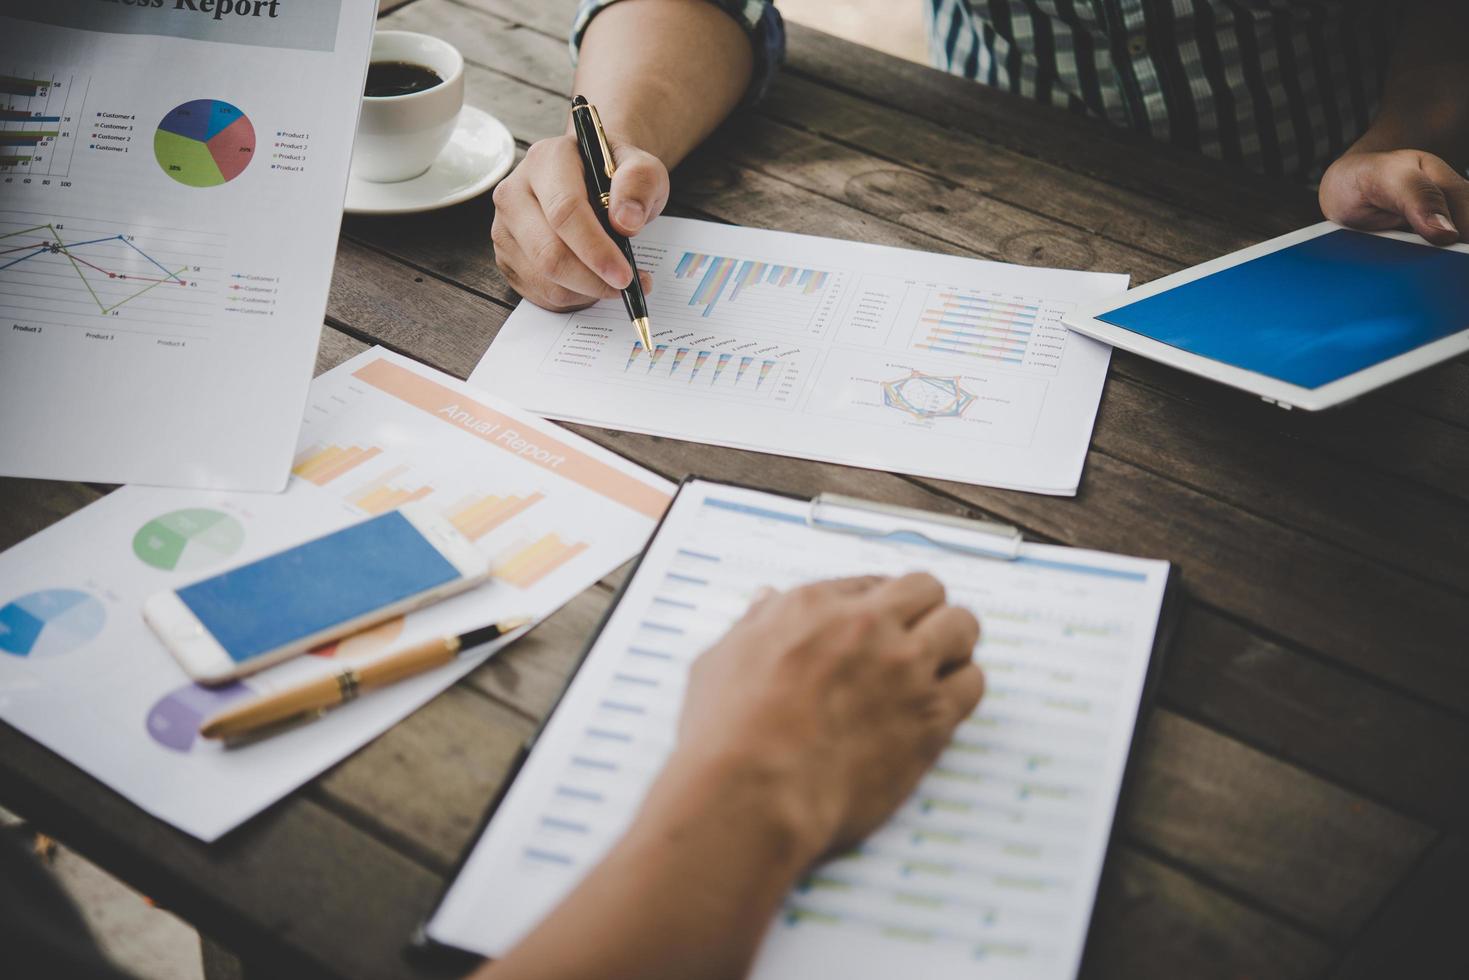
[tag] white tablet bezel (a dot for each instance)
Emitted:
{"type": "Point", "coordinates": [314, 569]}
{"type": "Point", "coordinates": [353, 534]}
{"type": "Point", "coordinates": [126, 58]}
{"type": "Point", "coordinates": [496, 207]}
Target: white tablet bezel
{"type": "Point", "coordinates": [1084, 320]}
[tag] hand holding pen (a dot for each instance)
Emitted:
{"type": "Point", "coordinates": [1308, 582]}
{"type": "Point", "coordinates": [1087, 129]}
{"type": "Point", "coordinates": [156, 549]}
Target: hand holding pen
{"type": "Point", "coordinates": [551, 243]}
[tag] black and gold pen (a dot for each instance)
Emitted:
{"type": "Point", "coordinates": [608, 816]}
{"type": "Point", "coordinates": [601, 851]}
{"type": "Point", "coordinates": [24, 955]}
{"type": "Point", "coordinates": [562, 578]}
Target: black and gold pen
{"type": "Point", "coordinates": [598, 166]}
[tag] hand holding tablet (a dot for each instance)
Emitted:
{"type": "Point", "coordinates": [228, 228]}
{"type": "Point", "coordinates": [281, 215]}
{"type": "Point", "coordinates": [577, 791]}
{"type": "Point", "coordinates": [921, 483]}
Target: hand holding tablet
{"type": "Point", "coordinates": [1307, 320]}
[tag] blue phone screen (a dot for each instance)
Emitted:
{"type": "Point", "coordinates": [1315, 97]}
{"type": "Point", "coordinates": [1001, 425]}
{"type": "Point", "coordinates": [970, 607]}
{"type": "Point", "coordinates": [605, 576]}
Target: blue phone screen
{"type": "Point", "coordinates": [259, 607]}
{"type": "Point", "coordinates": [1315, 312]}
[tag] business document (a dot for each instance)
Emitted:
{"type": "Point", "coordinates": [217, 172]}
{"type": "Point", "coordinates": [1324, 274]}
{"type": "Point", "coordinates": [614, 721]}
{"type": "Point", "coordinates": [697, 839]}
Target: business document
{"type": "Point", "coordinates": [989, 870]}
{"type": "Point", "coordinates": [83, 675]}
{"type": "Point", "coordinates": [171, 187]}
{"type": "Point", "coordinates": [851, 353]}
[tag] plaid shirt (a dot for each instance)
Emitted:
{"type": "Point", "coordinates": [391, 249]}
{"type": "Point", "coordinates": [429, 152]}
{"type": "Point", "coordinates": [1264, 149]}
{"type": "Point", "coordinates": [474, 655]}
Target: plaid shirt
{"type": "Point", "coordinates": [1280, 87]}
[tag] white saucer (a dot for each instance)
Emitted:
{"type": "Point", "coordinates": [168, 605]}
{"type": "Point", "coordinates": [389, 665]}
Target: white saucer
{"type": "Point", "coordinates": [480, 152]}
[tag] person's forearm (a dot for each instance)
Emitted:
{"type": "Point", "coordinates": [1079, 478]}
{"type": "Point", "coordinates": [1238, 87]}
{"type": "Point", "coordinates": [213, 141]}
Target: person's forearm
{"type": "Point", "coordinates": [688, 892]}
{"type": "Point", "coordinates": [1425, 104]}
{"type": "Point", "coordinates": [664, 73]}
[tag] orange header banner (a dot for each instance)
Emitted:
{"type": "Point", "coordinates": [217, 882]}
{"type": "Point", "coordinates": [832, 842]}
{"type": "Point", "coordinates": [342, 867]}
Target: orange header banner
{"type": "Point", "coordinates": [519, 438]}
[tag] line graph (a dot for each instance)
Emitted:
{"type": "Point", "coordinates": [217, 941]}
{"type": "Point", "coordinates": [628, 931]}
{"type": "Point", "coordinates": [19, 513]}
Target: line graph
{"type": "Point", "coordinates": [51, 243]}
{"type": "Point", "coordinates": [59, 270]}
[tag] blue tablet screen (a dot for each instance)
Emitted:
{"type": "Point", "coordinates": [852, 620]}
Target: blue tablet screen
{"type": "Point", "coordinates": [1314, 312]}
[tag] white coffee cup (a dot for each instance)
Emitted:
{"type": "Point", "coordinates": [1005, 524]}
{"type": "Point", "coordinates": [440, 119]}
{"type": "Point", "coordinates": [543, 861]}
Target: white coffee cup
{"type": "Point", "coordinates": [400, 136]}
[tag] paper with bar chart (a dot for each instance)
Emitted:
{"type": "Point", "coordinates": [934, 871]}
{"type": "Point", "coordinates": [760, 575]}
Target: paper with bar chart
{"type": "Point", "coordinates": [877, 357]}
{"type": "Point", "coordinates": [81, 673]}
{"type": "Point", "coordinates": [158, 309]}
{"type": "Point", "coordinates": [987, 871]}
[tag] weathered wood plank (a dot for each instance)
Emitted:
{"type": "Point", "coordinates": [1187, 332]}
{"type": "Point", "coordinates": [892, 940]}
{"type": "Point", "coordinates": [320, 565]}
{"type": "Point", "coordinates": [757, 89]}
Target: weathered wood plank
{"type": "Point", "coordinates": [1420, 932]}
{"type": "Point", "coordinates": [28, 506]}
{"type": "Point", "coordinates": [1179, 235]}
{"type": "Point", "coordinates": [423, 784]}
{"type": "Point", "coordinates": [1258, 825]}
{"type": "Point", "coordinates": [287, 887]}
{"type": "Point", "coordinates": [530, 675]}
{"type": "Point", "coordinates": [1392, 748]}
{"type": "Point", "coordinates": [1373, 434]}
{"type": "Point", "coordinates": [1154, 922]}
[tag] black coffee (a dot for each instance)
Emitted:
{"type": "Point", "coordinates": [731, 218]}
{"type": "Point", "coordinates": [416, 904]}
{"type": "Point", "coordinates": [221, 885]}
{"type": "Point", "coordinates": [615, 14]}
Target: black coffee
{"type": "Point", "coordinates": [388, 78]}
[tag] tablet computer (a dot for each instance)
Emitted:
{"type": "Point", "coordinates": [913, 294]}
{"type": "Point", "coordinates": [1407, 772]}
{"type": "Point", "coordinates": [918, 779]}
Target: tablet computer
{"type": "Point", "coordinates": [1307, 320]}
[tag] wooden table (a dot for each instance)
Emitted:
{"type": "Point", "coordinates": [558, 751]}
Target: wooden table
{"type": "Point", "coordinates": [1302, 798]}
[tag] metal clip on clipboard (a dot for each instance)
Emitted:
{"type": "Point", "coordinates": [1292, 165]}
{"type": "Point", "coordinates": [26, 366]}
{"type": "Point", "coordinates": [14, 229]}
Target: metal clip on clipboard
{"type": "Point", "coordinates": [1006, 539]}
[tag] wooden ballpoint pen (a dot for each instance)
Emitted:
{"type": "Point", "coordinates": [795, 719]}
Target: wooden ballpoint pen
{"type": "Point", "coordinates": [316, 696]}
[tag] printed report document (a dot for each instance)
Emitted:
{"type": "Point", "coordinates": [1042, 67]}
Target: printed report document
{"type": "Point", "coordinates": [82, 674]}
{"type": "Point", "coordinates": [171, 186]}
{"type": "Point", "coordinates": [989, 870]}
{"type": "Point", "coordinates": [845, 352]}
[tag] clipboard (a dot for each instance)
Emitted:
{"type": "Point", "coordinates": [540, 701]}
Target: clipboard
{"type": "Point", "coordinates": [1002, 545]}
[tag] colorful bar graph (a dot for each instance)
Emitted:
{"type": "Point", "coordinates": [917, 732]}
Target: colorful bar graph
{"type": "Point", "coordinates": [380, 495]}
{"type": "Point", "coordinates": [322, 464]}
{"type": "Point", "coordinates": [699, 360]}
{"type": "Point", "coordinates": [678, 357]}
{"type": "Point", "coordinates": [719, 365]}
{"type": "Point", "coordinates": [34, 137]}
{"type": "Point", "coordinates": [477, 516]}
{"type": "Point", "coordinates": [658, 351]}
{"type": "Point", "coordinates": [765, 367]}
{"type": "Point", "coordinates": [745, 362]}
{"type": "Point", "coordinates": [21, 116]}
{"type": "Point", "coordinates": [719, 272]}
{"type": "Point", "coordinates": [26, 88]}
{"type": "Point", "coordinates": [978, 326]}
{"type": "Point", "coordinates": [534, 562]}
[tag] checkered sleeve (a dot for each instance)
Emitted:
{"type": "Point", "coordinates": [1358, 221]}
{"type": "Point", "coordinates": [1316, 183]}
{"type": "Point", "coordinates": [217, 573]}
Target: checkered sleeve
{"type": "Point", "coordinates": [759, 18]}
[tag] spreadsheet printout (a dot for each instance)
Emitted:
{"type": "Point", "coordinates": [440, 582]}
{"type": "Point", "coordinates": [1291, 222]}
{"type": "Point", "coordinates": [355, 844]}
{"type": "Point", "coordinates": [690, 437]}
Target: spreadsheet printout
{"type": "Point", "coordinates": [988, 870]}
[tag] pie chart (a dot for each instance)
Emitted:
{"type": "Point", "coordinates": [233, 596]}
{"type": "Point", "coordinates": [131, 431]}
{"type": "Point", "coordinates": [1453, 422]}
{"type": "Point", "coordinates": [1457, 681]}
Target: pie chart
{"type": "Point", "coordinates": [174, 720]}
{"type": "Point", "coordinates": [204, 143]}
{"type": "Point", "coordinates": [185, 540]}
{"type": "Point", "coordinates": [50, 622]}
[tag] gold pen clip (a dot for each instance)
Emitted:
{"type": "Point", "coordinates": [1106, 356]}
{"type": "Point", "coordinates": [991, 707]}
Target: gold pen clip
{"type": "Point", "coordinates": [602, 138]}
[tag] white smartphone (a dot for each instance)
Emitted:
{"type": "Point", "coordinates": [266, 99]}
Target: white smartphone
{"type": "Point", "coordinates": [258, 614]}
